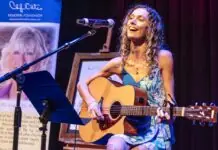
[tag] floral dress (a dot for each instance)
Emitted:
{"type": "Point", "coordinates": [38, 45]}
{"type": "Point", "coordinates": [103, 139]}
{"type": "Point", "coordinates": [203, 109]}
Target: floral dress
{"type": "Point", "coordinates": [155, 135]}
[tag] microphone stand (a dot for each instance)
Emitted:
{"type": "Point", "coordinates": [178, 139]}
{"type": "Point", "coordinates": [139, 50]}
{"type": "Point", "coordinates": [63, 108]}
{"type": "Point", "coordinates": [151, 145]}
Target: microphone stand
{"type": "Point", "coordinates": [106, 45]}
{"type": "Point", "coordinates": [18, 76]}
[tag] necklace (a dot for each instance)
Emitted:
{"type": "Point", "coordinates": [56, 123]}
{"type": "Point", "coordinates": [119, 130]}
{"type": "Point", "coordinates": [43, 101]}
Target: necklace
{"type": "Point", "coordinates": [137, 66]}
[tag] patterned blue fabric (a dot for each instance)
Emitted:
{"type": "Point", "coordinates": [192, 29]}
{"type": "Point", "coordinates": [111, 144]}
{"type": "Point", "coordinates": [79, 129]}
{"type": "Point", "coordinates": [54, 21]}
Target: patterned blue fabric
{"type": "Point", "coordinates": [154, 135]}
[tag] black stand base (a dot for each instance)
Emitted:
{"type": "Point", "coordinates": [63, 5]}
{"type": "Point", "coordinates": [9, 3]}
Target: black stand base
{"type": "Point", "coordinates": [44, 120]}
{"type": "Point", "coordinates": [43, 136]}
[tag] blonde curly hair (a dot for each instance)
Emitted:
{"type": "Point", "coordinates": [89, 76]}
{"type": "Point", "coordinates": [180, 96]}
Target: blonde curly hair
{"type": "Point", "coordinates": [154, 36]}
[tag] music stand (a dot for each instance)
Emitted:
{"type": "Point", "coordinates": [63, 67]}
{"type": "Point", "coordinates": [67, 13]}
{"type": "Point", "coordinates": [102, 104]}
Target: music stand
{"type": "Point", "coordinates": [50, 101]}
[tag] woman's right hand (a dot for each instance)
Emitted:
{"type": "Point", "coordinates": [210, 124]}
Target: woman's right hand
{"type": "Point", "coordinates": [95, 111]}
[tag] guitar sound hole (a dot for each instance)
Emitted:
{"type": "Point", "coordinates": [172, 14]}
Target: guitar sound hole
{"type": "Point", "coordinates": [115, 110]}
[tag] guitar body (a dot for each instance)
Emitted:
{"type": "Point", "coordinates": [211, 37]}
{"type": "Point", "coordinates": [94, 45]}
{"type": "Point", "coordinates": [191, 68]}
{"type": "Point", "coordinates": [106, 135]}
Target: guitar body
{"type": "Point", "coordinates": [111, 96]}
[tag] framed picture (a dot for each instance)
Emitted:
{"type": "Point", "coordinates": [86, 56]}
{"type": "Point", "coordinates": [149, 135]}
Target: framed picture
{"type": "Point", "coordinates": [84, 65]}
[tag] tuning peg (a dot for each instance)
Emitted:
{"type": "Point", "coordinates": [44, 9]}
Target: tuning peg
{"type": "Point", "coordinates": [204, 104]}
{"type": "Point", "coordinates": [212, 104]}
{"type": "Point", "coordinates": [210, 124]}
{"type": "Point", "coordinates": [194, 122]}
{"type": "Point", "coordinates": [202, 123]}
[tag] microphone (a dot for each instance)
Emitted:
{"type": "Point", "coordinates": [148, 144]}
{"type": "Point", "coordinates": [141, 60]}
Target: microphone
{"type": "Point", "coordinates": [96, 23]}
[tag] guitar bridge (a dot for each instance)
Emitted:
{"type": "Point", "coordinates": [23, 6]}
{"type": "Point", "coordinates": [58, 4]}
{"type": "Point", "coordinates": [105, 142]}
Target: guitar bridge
{"type": "Point", "coordinates": [104, 124]}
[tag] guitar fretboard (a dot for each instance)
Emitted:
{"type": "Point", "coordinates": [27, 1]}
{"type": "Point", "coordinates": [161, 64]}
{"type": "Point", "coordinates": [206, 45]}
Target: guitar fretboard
{"type": "Point", "coordinates": [152, 111]}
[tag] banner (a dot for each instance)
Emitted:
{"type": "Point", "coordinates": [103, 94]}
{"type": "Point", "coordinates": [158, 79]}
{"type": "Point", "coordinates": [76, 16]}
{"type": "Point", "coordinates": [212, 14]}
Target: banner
{"type": "Point", "coordinates": [29, 29]}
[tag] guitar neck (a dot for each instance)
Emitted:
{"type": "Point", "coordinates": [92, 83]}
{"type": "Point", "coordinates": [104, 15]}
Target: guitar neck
{"type": "Point", "coordinates": [152, 111]}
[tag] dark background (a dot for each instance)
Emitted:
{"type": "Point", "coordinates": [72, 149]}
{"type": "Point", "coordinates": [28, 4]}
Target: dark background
{"type": "Point", "coordinates": [191, 34]}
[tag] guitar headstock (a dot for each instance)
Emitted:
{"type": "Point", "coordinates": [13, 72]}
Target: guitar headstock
{"type": "Point", "coordinates": [202, 113]}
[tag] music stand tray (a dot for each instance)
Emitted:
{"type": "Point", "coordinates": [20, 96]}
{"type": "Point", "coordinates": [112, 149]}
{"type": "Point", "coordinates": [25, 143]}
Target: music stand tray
{"type": "Point", "coordinates": [40, 87]}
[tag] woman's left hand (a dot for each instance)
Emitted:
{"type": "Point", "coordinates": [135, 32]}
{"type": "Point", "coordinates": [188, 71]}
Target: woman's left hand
{"type": "Point", "coordinates": [162, 115]}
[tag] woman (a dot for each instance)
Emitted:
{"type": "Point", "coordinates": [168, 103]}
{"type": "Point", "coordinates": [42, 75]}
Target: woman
{"type": "Point", "coordinates": [25, 45]}
{"type": "Point", "coordinates": [144, 64]}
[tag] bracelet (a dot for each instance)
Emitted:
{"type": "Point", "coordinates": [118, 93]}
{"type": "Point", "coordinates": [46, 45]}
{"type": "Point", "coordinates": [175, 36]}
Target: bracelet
{"type": "Point", "coordinates": [92, 105]}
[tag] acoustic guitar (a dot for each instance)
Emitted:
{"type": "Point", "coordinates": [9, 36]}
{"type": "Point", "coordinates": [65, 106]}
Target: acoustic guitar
{"type": "Point", "coordinates": [117, 101]}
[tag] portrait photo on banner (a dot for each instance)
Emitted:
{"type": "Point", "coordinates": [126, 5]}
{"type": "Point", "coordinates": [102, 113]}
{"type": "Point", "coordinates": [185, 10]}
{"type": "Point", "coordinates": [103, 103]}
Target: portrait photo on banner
{"type": "Point", "coordinates": [23, 44]}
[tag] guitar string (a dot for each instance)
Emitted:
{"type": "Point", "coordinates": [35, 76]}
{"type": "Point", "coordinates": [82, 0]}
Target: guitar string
{"type": "Point", "coordinates": [137, 110]}
{"type": "Point", "coordinates": [118, 108]}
